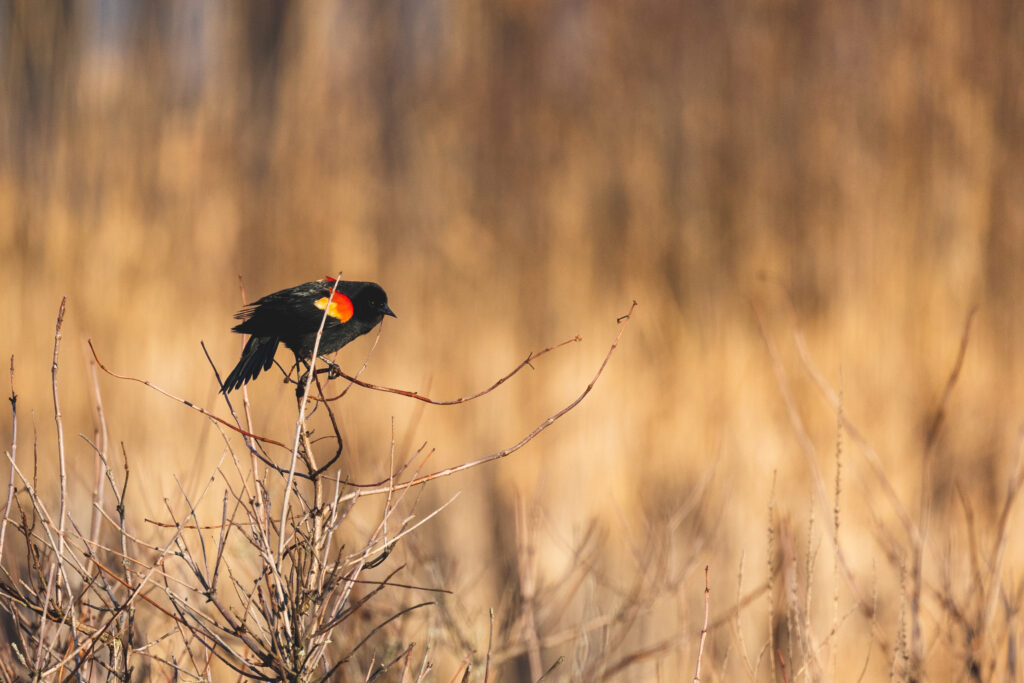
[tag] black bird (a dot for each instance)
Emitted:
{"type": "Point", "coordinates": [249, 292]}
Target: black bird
{"type": "Point", "coordinates": [292, 317]}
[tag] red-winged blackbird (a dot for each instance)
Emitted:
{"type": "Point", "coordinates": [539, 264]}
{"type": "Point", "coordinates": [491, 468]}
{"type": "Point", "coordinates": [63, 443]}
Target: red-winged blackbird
{"type": "Point", "coordinates": [292, 317]}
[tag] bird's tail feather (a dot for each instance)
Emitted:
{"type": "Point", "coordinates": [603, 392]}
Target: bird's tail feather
{"type": "Point", "coordinates": [257, 356]}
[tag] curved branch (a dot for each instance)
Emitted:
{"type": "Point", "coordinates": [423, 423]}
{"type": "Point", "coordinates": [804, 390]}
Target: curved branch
{"type": "Point", "coordinates": [462, 399]}
{"type": "Point", "coordinates": [373, 489]}
{"type": "Point", "coordinates": [182, 401]}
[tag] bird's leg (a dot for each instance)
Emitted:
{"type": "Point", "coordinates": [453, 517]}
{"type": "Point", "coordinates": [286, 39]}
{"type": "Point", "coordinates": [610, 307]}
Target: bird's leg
{"type": "Point", "coordinates": [300, 384]}
{"type": "Point", "coordinates": [333, 369]}
{"type": "Point", "coordinates": [288, 373]}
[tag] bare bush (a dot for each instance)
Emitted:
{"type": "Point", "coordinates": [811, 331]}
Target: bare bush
{"type": "Point", "coordinates": [270, 589]}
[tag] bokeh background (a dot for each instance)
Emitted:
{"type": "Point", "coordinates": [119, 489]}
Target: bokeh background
{"type": "Point", "coordinates": [515, 173]}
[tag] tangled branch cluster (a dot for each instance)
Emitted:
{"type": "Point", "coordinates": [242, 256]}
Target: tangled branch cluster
{"type": "Point", "coordinates": [265, 589]}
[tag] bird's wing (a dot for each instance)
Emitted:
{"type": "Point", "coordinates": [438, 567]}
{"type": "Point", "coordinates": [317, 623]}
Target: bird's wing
{"type": "Point", "coordinates": [290, 311]}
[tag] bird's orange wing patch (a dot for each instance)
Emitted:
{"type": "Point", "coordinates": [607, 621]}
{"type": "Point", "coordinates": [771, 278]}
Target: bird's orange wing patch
{"type": "Point", "coordinates": [340, 307]}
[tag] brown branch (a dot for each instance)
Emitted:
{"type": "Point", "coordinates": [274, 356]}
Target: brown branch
{"type": "Point", "coordinates": [954, 375]}
{"type": "Point", "coordinates": [455, 401]}
{"type": "Point", "coordinates": [182, 401]}
{"type": "Point", "coordinates": [51, 581]}
{"type": "Point", "coordinates": [371, 490]}
{"type": "Point", "coordinates": [411, 394]}
{"type": "Point", "coordinates": [13, 454]}
{"type": "Point", "coordinates": [490, 636]}
{"type": "Point", "coordinates": [704, 631]}
{"type": "Point", "coordinates": [379, 626]}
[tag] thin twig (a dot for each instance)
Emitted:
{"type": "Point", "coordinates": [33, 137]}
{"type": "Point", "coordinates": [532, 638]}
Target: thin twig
{"type": "Point", "coordinates": [300, 422]}
{"type": "Point", "coordinates": [14, 459]}
{"type": "Point", "coordinates": [180, 400]}
{"type": "Point", "coordinates": [551, 669]}
{"type": "Point", "coordinates": [707, 613]}
{"type": "Point", "coordinates": [373, 490]}
{"type": "Point", "coordinates": [381, 625]}
{"type": "Point", "coordinates": [490, 636]}
{"type": "Point", "coordinates": [62, 514]}
{"type": "Point", "coordinates": [455, 401]}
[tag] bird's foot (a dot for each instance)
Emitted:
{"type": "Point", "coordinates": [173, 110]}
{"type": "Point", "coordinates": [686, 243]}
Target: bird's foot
{"type": "Point", "coordinates": [333, 369]}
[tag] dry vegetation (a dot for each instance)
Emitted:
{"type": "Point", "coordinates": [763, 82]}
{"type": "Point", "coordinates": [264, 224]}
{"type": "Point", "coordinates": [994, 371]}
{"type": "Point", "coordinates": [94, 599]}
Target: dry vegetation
{"type": "Point", "coordinates": [818, 206]}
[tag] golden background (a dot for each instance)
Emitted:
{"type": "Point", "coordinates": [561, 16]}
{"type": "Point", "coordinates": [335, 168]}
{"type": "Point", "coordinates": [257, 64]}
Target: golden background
{"type": "Point", "coordinates": [516, 173]}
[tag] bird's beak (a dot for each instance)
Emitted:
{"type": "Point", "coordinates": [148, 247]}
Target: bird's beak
{"type": "Point", "coordinates": [388, 311]}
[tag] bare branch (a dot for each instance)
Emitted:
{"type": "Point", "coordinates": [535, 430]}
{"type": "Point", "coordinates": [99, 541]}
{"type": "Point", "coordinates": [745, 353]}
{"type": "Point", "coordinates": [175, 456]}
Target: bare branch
{"type": "Point", "coordinates": [182, 401]}
{"type": "Point", "coordinates": [373, 489]}
{"type": "Point", "coordinates": [455, 401]}
{"type": "Point", "coordinates": [704, 630]}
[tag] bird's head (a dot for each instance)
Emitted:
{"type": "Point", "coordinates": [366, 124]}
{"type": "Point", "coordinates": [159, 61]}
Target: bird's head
{"type": "Point", "coordinates": [371, 303]}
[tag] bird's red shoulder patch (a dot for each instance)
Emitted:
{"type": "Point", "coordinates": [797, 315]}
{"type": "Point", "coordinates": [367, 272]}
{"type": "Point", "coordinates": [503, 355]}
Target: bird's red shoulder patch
{"type": "Point", "coordinates": [340, 307]}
